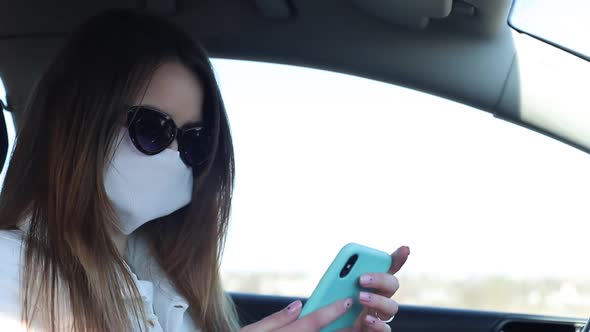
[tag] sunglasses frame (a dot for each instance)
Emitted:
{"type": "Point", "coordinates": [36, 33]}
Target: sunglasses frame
{"type": "Point", "coordinates": [178, 133]}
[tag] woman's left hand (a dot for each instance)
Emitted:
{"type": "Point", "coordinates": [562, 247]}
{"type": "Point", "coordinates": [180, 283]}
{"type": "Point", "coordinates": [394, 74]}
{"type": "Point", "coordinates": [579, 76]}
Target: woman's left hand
{"type": "Point", "coordinates": [379, 306]}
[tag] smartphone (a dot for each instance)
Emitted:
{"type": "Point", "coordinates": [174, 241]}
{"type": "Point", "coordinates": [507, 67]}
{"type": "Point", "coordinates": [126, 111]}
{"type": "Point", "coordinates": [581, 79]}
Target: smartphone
{"type": "Point", "coordinates": [341, 281]}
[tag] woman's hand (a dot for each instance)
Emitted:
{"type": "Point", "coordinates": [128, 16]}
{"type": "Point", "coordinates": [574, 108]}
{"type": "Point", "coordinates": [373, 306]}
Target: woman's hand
{"type": "Point", "coordinates": [286, 319]}
{"type": "Point", "coordinates": [378, 304]}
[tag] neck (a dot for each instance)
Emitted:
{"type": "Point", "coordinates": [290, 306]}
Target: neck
{"type": "Point", "coordinates": [120, 240]}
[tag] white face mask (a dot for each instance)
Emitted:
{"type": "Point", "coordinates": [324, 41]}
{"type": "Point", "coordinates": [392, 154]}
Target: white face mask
{"type": "Point", "coordinates": [142, 187]}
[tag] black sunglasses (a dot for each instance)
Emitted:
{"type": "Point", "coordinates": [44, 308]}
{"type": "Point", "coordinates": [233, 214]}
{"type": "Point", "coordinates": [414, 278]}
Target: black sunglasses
{"type": "Point", "coordinates": [152, 131]}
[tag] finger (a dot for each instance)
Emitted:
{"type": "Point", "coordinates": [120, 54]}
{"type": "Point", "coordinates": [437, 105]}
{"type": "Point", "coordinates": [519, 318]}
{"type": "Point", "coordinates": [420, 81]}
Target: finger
{"type": "Point", "coordinates": [399, 258]}
{"type": "Point", "coordinates": [321, 317]}
{"type": "Point", "coordinates": [383, 283]}
{"type": "Point", "coordinates": [372, 323]}
{"type": "Point", "coordinates": [384, 306]}
{"type": "Point", "coordinates": [276, 320]}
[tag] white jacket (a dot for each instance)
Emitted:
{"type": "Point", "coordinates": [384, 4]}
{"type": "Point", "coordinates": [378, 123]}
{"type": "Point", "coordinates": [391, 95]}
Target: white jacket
{"type": "Point", "coordinates": [166, 309]}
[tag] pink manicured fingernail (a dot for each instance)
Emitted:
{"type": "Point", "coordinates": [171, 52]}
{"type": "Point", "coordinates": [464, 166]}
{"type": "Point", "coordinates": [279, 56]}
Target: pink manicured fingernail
{"type": "Point", "coordinates": [294, 307]}
{"type": "Point", "coordinates": [370, 320]}
{"type": "Point", "coordinates": [348, 304]}
{"type": "Point", "coordinates": [365, 297]}
{"type": "Point", "coordinates": [366, 279]}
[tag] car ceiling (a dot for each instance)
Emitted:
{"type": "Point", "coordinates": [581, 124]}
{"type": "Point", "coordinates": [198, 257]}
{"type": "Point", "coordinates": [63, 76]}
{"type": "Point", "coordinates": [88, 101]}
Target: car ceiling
{"type": "Point", "coordinates": [461, 50]}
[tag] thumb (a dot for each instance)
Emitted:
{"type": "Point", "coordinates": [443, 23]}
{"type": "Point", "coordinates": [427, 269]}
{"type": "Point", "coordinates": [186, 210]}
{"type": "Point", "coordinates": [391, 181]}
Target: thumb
{"type": "Point", "coordinates": [276, 320]}
{"type": "Point", "coordinates": [399, 257]}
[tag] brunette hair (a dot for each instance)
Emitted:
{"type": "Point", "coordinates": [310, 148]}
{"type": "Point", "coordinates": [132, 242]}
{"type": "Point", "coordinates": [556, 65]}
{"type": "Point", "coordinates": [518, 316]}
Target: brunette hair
{"type": "Point", "coordinates": [56, 180]}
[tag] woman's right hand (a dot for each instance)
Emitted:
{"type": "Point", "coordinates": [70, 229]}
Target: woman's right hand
{"type": "Point", "coordinates": [286, 319]}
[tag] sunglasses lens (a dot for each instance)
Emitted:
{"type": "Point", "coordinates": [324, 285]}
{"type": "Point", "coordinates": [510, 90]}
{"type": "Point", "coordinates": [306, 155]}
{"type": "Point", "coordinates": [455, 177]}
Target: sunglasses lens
{"type": "Point", "coordinates": [152, 131]}
{"type": "Point", "coordinates": [194, 146]}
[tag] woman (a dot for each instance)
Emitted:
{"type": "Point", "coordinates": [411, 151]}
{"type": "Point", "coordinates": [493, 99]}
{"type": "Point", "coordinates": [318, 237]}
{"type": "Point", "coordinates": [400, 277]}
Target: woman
{"type": "Point", "coordinates": [119, 191]}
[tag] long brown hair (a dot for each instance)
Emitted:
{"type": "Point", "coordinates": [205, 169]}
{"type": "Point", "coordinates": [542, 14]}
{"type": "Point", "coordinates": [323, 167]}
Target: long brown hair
{"type": "Point", "coordinates": [56, 178]}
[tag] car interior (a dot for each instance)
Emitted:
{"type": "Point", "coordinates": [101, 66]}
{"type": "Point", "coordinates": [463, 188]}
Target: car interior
{"type": "Point", "coordinates": [465, 51]}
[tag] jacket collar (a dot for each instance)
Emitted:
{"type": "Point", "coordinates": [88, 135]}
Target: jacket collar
{"type": "Point", "coordinates": [140, 258]}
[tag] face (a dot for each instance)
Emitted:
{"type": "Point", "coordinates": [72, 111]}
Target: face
{"type": "Point", "coordinates": [176, 91]}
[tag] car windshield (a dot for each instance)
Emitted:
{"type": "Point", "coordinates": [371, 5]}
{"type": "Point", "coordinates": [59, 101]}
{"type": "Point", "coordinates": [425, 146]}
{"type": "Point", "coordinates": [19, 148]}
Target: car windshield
{"type": "Point", "coordinates": [563, 23]}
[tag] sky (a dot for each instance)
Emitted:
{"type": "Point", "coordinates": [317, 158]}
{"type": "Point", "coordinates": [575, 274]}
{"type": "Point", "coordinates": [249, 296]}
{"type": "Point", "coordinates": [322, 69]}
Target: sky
{"type": "Point", "coordinates": [323, 159]}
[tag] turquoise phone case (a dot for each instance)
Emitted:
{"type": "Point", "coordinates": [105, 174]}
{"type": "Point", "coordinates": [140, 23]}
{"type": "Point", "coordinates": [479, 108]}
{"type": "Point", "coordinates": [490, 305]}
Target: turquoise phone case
{"type": "Point", "coordinates": [332, 287]}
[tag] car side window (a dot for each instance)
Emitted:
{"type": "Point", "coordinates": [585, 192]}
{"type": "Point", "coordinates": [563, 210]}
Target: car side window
{"type": "Point", "coordinates": [495, 214]}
